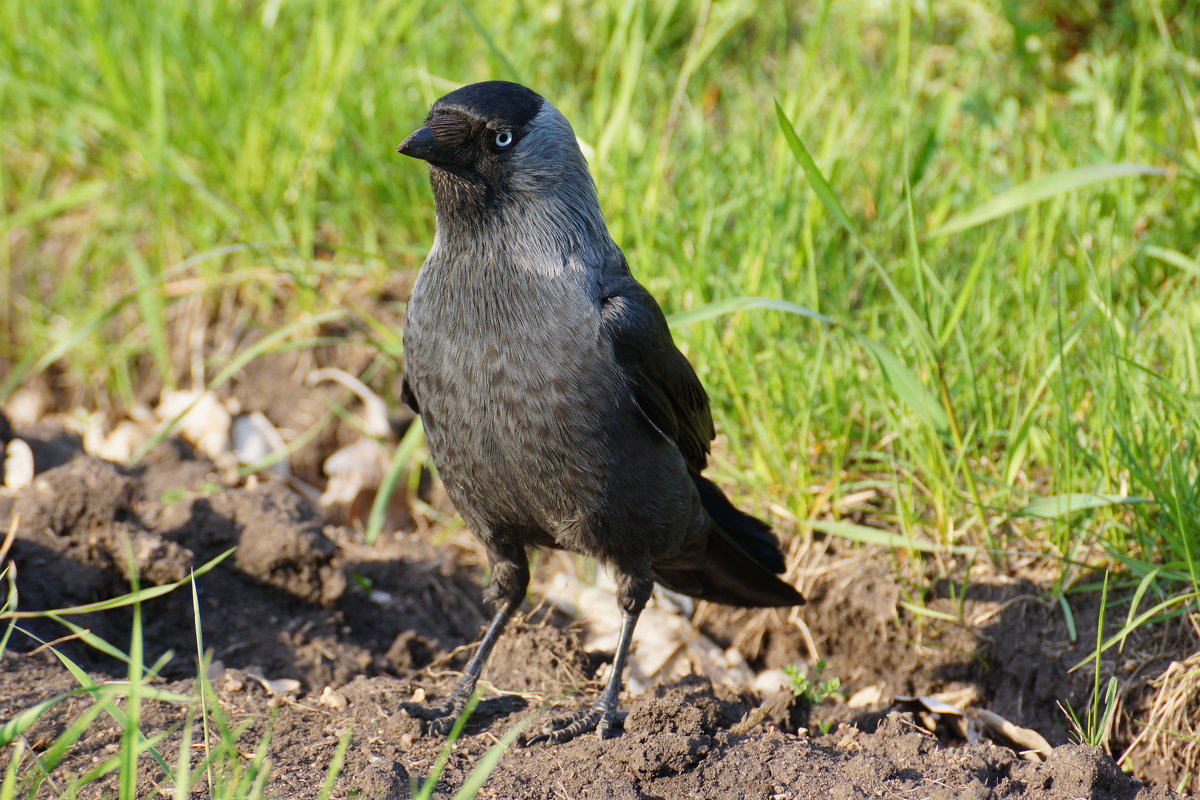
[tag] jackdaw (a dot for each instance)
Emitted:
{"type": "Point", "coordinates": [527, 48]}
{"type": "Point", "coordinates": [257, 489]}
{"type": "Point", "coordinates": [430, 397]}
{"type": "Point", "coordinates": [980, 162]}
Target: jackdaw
{"type": "Point", "coordinates": [558, 411]}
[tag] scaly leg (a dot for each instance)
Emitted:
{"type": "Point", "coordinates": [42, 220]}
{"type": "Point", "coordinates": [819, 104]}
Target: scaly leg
{"type": "Point", "coordinates": [632, 594]}
{"type": "Point", "coordinates": [510, 579]}
{"type": "Point", "coordinates": [466, 684]}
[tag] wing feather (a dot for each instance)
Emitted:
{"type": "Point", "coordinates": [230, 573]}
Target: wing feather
{"type": "Point", "coordinates": [663, 382]}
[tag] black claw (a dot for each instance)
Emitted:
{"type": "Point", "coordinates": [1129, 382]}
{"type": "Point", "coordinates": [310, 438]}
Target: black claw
{"type": "Point", "coordinates": [442, 725]}
{"type": "Point", "coordinates": [604, 728]}
{"type": "Point", "coordinates": [600, 718]}
{"type": "Point", "coordinates": [450, 712]}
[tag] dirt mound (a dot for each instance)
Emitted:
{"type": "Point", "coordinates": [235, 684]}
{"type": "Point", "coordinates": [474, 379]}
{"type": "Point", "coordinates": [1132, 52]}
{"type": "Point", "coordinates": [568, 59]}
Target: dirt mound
{"type": "Point", "coordinates": [994, 641]}
{"type": "Point", "coordinates": [373, 636]}
{"type": "Point", "coordinates": [280, 602]}
{"type": "Point", "coordinates": [677, 745]}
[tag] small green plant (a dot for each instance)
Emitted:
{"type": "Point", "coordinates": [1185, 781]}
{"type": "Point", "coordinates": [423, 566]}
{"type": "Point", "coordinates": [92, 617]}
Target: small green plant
{"type": "Point", "coordinates": [812, 685]}
{"type": "Point", "coordinates": [1092, 729]}
{"type": "Point", "coordinates": [361, 582]}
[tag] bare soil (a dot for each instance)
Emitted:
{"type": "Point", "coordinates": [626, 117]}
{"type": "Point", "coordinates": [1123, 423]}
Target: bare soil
{"type": "Point", "coordinates": [374, 635]}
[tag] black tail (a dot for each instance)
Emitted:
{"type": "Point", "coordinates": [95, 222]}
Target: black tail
{"type": "Point", "coordinates": [741, 560]}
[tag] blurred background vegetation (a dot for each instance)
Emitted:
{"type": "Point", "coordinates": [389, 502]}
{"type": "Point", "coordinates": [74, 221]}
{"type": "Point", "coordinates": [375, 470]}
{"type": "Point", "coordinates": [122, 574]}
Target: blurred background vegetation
{"type": "Point", "coordinates": [1023, 381]}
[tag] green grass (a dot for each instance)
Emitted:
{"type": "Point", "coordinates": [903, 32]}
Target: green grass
{"type": "Point", "coordinates": [1053, 331]}
{"type": "Point", "coordinates": [1012, 364]}
{"type": "Point", "coordinates": [222, 767]}
{"type": "Point", "coordinates": [218, 764]}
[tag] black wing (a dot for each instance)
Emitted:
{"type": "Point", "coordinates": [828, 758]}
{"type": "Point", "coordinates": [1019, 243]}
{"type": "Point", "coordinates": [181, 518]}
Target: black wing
{"type": "Point", "coordinates": [664, 384]}
{"type": "Point", "coordinates": [406, 394]}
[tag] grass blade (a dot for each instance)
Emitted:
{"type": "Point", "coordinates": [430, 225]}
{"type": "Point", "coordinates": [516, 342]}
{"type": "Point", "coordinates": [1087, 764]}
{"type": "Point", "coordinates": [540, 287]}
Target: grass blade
{"type": "Point", "coordinates": [908, 387]}
{"type": "Point", "coordinates": [483, 770]}
{"type": "Point", "coordinates": [152, 309]}
{"type": "Point", "coordinates": [1169, 606]}
{"type": "Point", "coordinates": [335, 765]}
{"type": "Point", "coordinates": [1174, 258]}
{"type": "Point", "coordinates": [888, 539]}
{"type": "Point", "coordinates": [17, 725]}
{"type": "Point", "coordinates": [183, 762]}
{"type": "Point", "coordinates": [78, 195]}
{"type": "Point", "coordinates": [426, 790]}
{"type": "Point", "coordinates": [400, 460]}
{"type": "Point", "coordinates": [8, 789]}
{"type": "Point", "coordinates": [812, 171]}
{"type": "Point", "coordinates": [497, 52]}
{"type": "Point", "coordinates": [903, 382]}
{"type": "Point", "coordinates": [67, 739]}
{"type": "Point", "coordinates": [1039, 189]}
{"type": "Point", "coordinates": [264, 345]}
{"type": "Point", "coordinates": [1062, 505]}
{"type": "Point", "coordinates": [720, 308]}
{"type": "Point", "coordinates": [138, 596]}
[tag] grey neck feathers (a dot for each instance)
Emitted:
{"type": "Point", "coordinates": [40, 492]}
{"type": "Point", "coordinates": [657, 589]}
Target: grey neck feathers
{"type": "Point", "coordinates": [542, 208]}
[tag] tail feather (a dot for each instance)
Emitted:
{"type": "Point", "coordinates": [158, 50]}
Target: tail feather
{"type": "Point", "coordinates": [750, 533]}
{"type": "Point", "coordinates": [741, 560]}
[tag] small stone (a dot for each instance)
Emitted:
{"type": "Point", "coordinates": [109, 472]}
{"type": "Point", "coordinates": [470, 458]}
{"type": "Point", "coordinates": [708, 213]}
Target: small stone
{"type": "Point", "coordinates": [18, 465]}
{"type": "Point", "coordinates": [332, 699]}
{"type": "Point", "coordinates": [866, 696]}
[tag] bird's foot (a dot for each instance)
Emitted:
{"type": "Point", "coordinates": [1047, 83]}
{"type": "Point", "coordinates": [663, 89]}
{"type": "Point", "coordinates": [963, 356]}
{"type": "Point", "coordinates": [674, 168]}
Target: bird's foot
{"type": "Point", "coordinates": [449, 714]}
{"type": "Point", "coordinates": [442, 725]}
{"type": "Point", "coordinates": [603, 717]}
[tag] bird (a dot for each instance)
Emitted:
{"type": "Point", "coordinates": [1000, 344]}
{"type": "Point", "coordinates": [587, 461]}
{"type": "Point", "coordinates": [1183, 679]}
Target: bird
{"type": "Point", "coordinates": [557, 409]}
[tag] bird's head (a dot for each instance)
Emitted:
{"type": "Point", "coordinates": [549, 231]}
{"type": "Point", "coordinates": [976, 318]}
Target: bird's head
{"type": "Point", "coordinates": [488, 141]}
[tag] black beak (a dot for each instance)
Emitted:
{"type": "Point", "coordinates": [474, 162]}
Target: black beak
{"type": "Point", "coordinates": [420, 144]}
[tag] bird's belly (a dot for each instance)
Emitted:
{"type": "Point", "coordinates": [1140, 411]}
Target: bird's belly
{"type": "Point", "coordinates": [524, 433]}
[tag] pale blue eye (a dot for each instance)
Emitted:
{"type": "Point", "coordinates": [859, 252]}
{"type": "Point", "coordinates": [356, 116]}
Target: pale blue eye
{"type": "Point", "coordinates": [504, 139]}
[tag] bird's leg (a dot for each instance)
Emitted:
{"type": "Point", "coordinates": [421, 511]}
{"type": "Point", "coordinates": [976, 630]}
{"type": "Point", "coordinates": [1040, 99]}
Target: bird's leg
{"type": "Point", "coordinates": [510, 579]}
{"type": "Point", "coordinates": [632, 594]}
{"type": "Point", "coordinates": [465, 687]}
{"type": "Point", "coordinates": [602, 714]}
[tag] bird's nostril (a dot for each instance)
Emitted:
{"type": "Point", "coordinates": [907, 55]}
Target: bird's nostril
{"type": "Point", "coordinates": [449, 129]}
